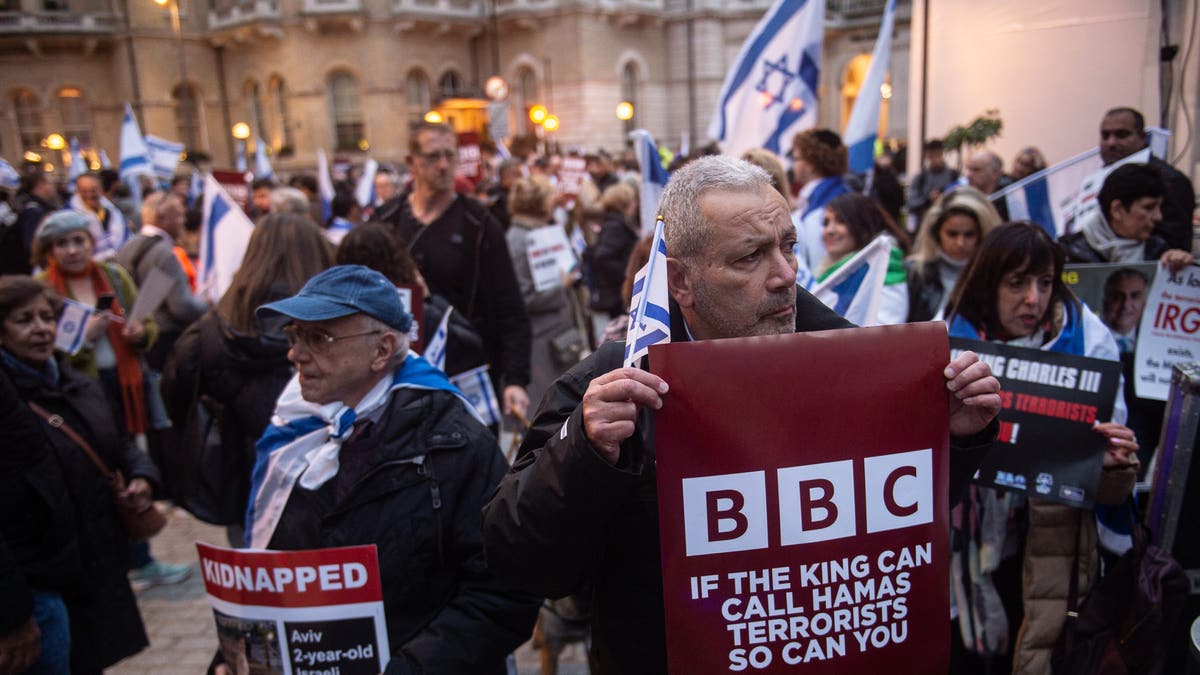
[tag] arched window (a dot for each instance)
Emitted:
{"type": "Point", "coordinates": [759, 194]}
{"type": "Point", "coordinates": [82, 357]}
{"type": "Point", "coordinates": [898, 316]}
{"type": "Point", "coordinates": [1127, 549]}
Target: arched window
{"type": "Point", "coordinates": [187, 114]}
{"type": "Point", "coordinates": [254, 110]}
{"type": "Point", "coordinates": [75, 115]}
{"type": "Point", "coordinates": [527, 97]}
{"type": "Point", "coordinates": [450, 84]}
{"type": "Point", "coordinates": [345, 111]}
{"type": "Point", "coordinates": [419, 101]}
{"type": "Point", "coordinates": [629, 91]}
{"type": "Point", "coordinates": [278, 92]}
{"type": "Point", "coordinates": [29, 118]}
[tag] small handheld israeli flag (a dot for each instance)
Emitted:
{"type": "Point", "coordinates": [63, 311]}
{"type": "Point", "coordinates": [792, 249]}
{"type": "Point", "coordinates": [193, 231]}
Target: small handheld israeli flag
{"type": "Point", "coordinates": [435, 351]}
{"type": "Point", "coordinates": [239, 159]}
{"type": "Point", "coordinates": [649, 308]}
{"type": "Point", "coordinates": [853, 291]}
{"type": "Point", "coordinates": [78, 165]}
{"type": "Point", "coordinates": [654, 177]}
{"type": "Point", "coordinates": [71, 326]}
{"type": "Point", "coordinates": [262, 165]}
{"type": "Point", "coordinates": [476, 385]}
{"type": "Point", "coordinates": [324, 185]}
{"type": "Point", "coordinates": [364, 192]}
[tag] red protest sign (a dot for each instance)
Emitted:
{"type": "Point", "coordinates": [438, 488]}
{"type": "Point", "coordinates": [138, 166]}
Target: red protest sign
{"type": "Point", "coordinates": [315, 578]}
{"type": "Point", "coordinates": [802, 490]}
{"type": "Point", "coordinates": [235, 185]}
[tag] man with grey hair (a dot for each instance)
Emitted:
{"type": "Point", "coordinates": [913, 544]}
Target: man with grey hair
{"type": "Point", "coordinates": [985, 172]}
{"type": "Point", "coordinates": [579, 503]}
{"type": "Point", "coordinates": [370, 444]}
{"type": "Point", "coordinates": [290, 200]}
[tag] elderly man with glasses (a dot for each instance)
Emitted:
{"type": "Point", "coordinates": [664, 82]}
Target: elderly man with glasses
{"type": "Point", "coordinates": [460, 249]}
{"type": "Point", "coordinates": [370, 444]}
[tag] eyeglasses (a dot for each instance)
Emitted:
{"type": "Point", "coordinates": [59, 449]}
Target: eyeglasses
{"type": "Point", "coordinates": [433, 157]}
{"type": "Point", "coordinates": [316, 340]}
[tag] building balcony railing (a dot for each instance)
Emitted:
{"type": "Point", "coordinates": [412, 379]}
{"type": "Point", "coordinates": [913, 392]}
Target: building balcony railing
{"type": "Point", "coordinates": [439, 10]}
{"type": "Point", "coordinates": [850, 8]}
{"type": "Point", "coordinates": [99, 23]}
{"type": "Point", "coordinates": [333, 6]}
{"type": "Point", "coordinates": [242, 13]}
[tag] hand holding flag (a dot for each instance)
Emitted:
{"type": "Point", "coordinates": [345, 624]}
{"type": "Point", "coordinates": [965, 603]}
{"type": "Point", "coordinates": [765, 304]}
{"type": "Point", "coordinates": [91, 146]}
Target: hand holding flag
{"type": "Point", "coordinates": [649, 308]}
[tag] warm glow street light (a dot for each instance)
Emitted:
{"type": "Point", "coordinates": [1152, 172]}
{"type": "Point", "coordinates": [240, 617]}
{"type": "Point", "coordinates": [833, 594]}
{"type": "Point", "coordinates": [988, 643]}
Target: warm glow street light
{"type": "Point", "coordinates": [624, 111]}
{"type": "Point", "coordinates": [538, 114]}
{"type": "Point", "coordinates": [241, 131]}
{"type": "Point", "coordinates": [433, 117]}
{"type": "Point", "coordinates": [56, 142]}
{"type": "Point", "coordinates": [550, 123]}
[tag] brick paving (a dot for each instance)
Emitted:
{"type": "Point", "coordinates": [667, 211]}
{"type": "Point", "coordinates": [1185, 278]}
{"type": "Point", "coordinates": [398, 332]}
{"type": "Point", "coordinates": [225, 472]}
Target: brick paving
{"type": "Point", "coordinates": [183, 637]}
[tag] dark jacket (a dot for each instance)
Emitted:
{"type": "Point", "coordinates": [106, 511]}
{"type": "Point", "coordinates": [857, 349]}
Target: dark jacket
{"type": "Point", "coordinates": [17, 239]}
{"type": "Point", "coordinates": [1080, 251]}
{"type": "Point", "coordinates": [105, 624]}
{"type": "Point", "coordinates": [563, 515]}
{"type": "Point", "coordinates": [608, 259]}
{"type": "Point", "coordinates": [464, 347]}
{"type": "Point", "coordinates": [237, 376]}
{"type": "Point", "coordinates": [426, 468]}
{"type": "Point", "coordinates": [925, 291]}
{"type": "Point", "coordinates": [38, 548]}
{"type": "Point", "coordinates": [464, 258]}
{"type": "Point", "coordinates": [1178, 207]}
{"type": "Point", "coordinates": [143, 254]}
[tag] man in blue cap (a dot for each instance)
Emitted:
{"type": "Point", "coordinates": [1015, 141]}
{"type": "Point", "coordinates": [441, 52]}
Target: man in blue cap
{"type": "Point", "coordinates": [370, 444]}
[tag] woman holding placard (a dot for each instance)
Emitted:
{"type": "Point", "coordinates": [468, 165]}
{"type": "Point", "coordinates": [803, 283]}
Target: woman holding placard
{"type": "Point", "coordinates": [1012, 292]}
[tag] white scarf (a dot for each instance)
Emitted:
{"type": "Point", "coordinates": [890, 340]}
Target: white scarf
{"type": "Point", "coordinates": [1100, 236]}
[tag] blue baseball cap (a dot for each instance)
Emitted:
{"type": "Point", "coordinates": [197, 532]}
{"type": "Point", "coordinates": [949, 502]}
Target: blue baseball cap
{"type": "Point", "coordinates": [341, 291]}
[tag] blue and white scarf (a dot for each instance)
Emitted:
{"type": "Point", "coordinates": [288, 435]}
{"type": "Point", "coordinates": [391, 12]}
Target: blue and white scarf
{"type": "Point", "coordinates": [303, 441]}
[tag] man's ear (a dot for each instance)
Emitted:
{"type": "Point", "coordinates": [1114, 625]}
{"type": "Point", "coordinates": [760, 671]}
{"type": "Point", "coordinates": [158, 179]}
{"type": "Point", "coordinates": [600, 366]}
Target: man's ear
{"type": "Point", "coordinates": [385, 352]}
{"type": "Point", "coordinates": [678, 284]}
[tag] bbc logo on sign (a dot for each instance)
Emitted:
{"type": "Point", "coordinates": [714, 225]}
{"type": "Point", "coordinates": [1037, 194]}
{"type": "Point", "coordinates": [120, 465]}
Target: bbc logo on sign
{"type": "Point", "coordinates": [817, 502]}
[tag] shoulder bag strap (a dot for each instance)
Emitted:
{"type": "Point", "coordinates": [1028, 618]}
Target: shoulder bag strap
{"type": "Point", "coordinates": [59, 423]}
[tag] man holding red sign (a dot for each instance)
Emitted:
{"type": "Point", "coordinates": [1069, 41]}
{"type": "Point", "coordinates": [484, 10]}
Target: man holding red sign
{"type": "Point", "coordinates": [580, 502]}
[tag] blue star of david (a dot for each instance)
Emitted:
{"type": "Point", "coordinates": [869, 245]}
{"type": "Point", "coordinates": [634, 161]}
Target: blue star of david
{"type": "Point", "coordinates": [781, 67]}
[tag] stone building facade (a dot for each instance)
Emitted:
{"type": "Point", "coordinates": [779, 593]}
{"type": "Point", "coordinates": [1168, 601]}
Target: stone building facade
{"type": "Point", "coordinates": [350, 76]}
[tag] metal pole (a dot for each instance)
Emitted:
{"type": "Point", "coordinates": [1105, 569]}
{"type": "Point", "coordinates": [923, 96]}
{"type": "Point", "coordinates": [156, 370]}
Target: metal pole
{"type": "Point", "coordinates": [186, 92]}
{"type": "Point", "coordinates": [133, 71]}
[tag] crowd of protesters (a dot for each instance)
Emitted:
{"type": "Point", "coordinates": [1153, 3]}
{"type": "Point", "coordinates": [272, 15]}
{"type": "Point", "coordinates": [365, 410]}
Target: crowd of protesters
{"type": "Point", "coordinates": [205, 381]}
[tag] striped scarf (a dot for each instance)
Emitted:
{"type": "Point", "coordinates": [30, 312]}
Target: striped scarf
{"type": "Point", "coordinates": [302, 443]}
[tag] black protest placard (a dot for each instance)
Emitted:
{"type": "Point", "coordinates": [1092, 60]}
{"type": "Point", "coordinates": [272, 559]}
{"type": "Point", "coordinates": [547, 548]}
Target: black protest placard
{"type": "Point", "coordinates": [1049, 402]}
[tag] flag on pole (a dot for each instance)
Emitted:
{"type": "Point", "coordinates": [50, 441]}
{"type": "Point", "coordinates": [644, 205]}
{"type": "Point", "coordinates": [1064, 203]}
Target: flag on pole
{"type": "Point", "coordinates": [105, 162]}
{"type": "Point", "coordinates": [364, 192]}
{"type": "Point", "coordinates": [863, 127]}
{"type": "Point", "coordinates": [262, 165]}
{"type": "Point", "coordinates": [9, 177]}
{"type": "Point", "coordinates": [324, 186]}
{"type": "Point", "coordinates": [239, 156]}
{"type": "Point", "coordinates": [654, 178]}
{"type": "Point", "coordinates": [649, 308]}
{"type": "Point", "coordinates": [164, 156]}
{"type": "Point", "coordinates": [135, 156]}
{"type": "Point", "coordinates": [195, 188]}
{"type": "Point", "coordinates": [224, 233]}
{"type": "Point", "coordinates": [853, 291]}
{"type": "Point", "coordinates": [435, 350]}
{"type": "Point", "coordinates": [78, 165]}
{"type": "Point", "coordinates": [770, 93]}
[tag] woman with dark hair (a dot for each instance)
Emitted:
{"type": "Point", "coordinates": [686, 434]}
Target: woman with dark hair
{"type": "Point", "coordinates": [376, 245]}
{"type": "Point", "coordinates": [851, 222]}
{"type": "Point", "coordinates": [105, 625]}
{"type": "Point", "coordinates": [231, 365]}
{"type": "Point", "coordinates": [1013, 293]}
{"type": "Point", "coordinates": [607, 257]}
{"type": "Point", "coordinates": [947, 241]}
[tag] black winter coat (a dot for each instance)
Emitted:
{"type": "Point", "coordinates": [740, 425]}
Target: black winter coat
{"type": "Point", "coordinates": [38, 548]}
{"type": "Point", "coordinates": [563, 515]}
{"type": "Point", "coordinates": [925, 292]}
{"type": "Point", "coordinates": [608, 259]}
{"type": "Point", "coordinates": [427, 468]}
{"type": "Point", "coordinates": [1080, 251]}
{"type": "Point", "coordinates": [464, 346]}
{"type": "Point", "coordinates": [240, 376]}
{"type": "Point", "coordinates": [105, 624]}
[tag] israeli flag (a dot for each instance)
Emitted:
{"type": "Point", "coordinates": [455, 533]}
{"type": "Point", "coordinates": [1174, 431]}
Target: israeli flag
{"type": "Point", "coordinates": [195, 188]}
{"type": "Point", "coordinates": [863, 127]}
{"type": "Point", "coordinates": [578, 243]}
{"type": "Point", "coordinates": [324, 186]}
{"type": "Point", "coordinates": [224, 233]}
{"type": "Point", "coordinates": [853, 291]}
{"type": "Point", "coordinates": [135, 155]}
{"type": "Point", "coordinates": [262, 165]}
{"type": "Point", "coordinates": [72, 324]}
{"type": "Point", "coordinates": [476, 387]}
{"type": "Point", "coordinates": [654, 177]}
{"type": "Point", "coordinates": [435, 351]}
{"type": "Point", "coordinates": [364, 192]}
{"type": "Point", "coordinates": [770, 93]}
{"type": "Point", "coordinates": [105, 162]}
{"type": "Point", "coordinates": [502, 150]}
{"type": "Point", "coordinates": [9, 177]}
{"type": "Point", "coordinates": [649, 308]}
{"type": "Point", "coordinates": [164, 155]}
{"type": "Point", "coordinates": [78, 165]}
{"type": "Point", "coordinates": [239, 156]}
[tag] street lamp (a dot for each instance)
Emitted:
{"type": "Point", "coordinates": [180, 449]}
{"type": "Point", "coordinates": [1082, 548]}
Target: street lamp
{"type": "Point", "coordinates": [185, 93]}
{"type": "Point", "coordinates": [550, 123]}
{"type": "Point", "coordinates": [538, 114]}
{"type": "Point", "coordinates": [241, 131]}
{"type": "Point", "coordinates": [433, 117]}
{"type": "Point", "coordinates": [55, 142]}
{"type": "Point", "coordinates": [624, 111]}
